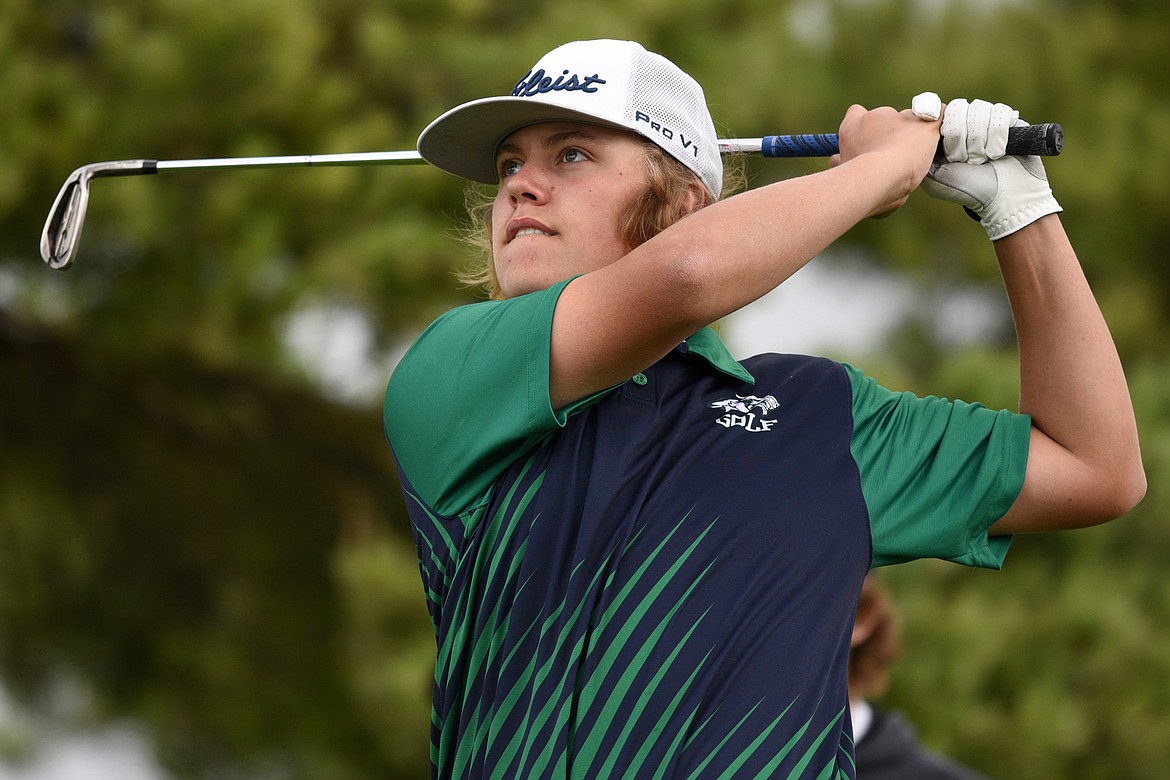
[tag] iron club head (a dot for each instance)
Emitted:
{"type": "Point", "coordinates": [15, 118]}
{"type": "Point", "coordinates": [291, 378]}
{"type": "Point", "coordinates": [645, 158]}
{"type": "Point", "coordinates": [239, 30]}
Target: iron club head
{"type": "Point", "coordinates": [67, 216]}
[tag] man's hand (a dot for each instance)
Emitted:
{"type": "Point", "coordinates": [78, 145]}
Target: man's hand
{"type": "Point", "coordinates": [1005, 193]}
{"type": "Point", "coordinates": [903, 142]}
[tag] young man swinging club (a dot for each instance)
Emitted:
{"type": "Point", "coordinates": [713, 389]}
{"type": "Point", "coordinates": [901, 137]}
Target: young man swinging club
{"type": "Point", "coordinates": [623, 581]}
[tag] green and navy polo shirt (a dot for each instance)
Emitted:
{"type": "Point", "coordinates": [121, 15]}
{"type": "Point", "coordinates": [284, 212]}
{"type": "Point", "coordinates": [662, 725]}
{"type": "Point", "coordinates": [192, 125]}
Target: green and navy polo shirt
{"type": "Point", "coordinates": [661, 581]}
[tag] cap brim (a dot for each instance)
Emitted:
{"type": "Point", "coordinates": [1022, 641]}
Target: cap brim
{"type": "Point", "coordinates": [463, 141]}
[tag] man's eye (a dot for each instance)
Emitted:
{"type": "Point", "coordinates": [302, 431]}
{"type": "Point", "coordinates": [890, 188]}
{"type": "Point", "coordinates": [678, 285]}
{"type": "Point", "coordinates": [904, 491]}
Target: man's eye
{"type": "Point", "coordinates": [508, 167]}
{"type": "Point", "coordinates": [572, 155]}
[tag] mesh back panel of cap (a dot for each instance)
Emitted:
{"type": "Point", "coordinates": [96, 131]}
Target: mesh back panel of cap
{"type": "Point", "coordinates": [662, 91]}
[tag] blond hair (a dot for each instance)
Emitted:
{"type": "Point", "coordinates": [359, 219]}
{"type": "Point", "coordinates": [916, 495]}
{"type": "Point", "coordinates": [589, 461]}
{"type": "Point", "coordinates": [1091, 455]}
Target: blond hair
{"type": "Point", "coordinates": [665, 201]}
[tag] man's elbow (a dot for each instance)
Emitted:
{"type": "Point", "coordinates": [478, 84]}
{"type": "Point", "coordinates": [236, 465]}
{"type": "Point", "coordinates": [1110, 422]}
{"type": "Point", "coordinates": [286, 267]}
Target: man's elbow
{"type": "Point", "coordinates": [1122, 489]}
{"type": "Point", "coordinates": [1129, 490]}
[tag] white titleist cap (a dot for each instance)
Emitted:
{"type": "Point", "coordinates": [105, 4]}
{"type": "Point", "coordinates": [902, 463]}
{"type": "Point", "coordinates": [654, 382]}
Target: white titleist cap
{"type": "Point", "coordinates": [604, 82]}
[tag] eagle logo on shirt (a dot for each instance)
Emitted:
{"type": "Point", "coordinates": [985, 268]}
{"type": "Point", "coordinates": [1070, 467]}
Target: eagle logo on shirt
{"type": "Point", "coordinates": [747, 412]}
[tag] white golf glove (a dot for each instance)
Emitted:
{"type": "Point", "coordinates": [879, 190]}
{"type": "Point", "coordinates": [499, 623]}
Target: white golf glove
{"type": "Point", "coordinates": [1004, 193]}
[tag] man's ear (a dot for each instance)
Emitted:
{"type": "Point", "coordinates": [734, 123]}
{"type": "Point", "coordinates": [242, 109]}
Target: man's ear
{"type": "Point", "coordinates": [696, 198]}
{"type": "Point", "coordinates": [864, 626]}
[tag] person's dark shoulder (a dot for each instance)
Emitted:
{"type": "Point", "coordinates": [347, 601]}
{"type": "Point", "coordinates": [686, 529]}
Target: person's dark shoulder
{"type": "Point", "coordinates": [890, 750]}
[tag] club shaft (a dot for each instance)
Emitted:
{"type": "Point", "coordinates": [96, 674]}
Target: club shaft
{"type": "Point", "coordinates": [289, 161]}
{"type": "Point", "coordinates": [826, 146]}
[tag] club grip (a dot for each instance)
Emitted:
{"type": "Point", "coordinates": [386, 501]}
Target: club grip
{"type": "Point", "coordinates": [807, 145]}
{"type": "Point", "coordinates": [1045, 140]}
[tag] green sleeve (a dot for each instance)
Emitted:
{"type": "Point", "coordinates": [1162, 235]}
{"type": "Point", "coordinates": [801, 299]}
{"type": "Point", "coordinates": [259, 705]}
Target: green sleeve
{"type": "Point", "coordinates": [470, 396]}
{"type": "Point", "coordinates": [936, 474]}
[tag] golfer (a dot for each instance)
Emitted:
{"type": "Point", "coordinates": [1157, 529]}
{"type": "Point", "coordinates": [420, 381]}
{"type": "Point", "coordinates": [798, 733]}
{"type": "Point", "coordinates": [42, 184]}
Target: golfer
{"type": "Point", "coordinates": [641, 557]}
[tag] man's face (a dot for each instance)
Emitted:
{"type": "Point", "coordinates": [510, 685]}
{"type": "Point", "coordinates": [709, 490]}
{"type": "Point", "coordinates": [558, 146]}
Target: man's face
{"type": "Point", "coordinates": [563, 189]}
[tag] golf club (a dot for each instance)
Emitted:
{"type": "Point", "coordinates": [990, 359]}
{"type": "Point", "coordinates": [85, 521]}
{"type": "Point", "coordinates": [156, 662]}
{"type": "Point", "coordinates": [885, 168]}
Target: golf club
{"type": "Point", "coordinates": [67, 216]}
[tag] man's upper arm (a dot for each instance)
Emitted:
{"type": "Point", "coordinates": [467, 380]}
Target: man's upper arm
{"type": "Point", "coordinates": [936, 474]}
{"type": "Point", "coordinates": [1058, 492]}
{"type": "Point", "coordinates": [470, 395]}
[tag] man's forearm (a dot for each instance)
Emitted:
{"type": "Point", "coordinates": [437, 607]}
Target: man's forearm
{"type": "Point", "coordinates": [1071, 378]}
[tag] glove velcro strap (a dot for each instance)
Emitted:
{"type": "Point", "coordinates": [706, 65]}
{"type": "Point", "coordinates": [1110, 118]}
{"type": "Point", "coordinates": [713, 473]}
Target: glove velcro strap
{"type": "Point", "coordinates": [1010, 223]}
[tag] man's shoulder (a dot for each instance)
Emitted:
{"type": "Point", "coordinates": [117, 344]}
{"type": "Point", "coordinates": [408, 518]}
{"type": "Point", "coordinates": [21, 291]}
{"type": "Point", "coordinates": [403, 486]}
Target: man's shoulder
{"type": "Point", "coordinates": [891, 750]}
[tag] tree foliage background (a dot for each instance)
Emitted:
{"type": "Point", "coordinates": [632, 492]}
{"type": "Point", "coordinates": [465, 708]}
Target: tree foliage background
{"type": "Point", "coordinates": [200, 535]}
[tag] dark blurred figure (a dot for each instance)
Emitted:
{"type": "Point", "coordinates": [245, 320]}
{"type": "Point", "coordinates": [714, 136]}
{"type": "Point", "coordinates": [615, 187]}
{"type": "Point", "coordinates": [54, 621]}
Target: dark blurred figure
{"type": "Point", "coordinates": [886, 743]}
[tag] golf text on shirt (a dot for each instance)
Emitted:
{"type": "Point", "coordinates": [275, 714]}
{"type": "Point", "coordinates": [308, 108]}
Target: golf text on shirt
{"type": "Point", "coordinates": [741, 412]}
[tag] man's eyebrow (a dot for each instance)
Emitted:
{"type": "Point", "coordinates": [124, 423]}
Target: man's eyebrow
{"type": "Point", "coordinates": [554, 140]}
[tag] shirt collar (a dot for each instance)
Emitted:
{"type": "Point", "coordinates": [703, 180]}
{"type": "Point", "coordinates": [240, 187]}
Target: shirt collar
{"type": "Point", "coordinates": [707, 345]}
